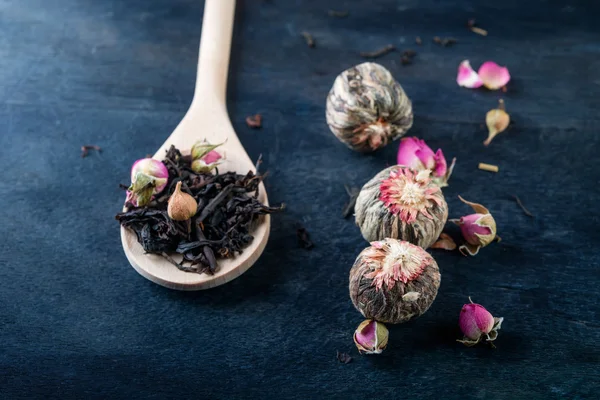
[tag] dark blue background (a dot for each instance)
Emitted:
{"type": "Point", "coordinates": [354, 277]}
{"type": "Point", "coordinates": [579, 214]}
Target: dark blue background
{"type": "Point", "coordinates": [77, 321]}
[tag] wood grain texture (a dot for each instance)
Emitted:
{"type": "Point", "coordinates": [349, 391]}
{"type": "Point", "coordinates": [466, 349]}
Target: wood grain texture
{"type": "Point", "coordinates": [77, 322]}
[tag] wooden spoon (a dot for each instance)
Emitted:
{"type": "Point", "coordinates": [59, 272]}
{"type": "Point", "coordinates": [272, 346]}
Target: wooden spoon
{"type": "Point", "coordinates": [206, 118]}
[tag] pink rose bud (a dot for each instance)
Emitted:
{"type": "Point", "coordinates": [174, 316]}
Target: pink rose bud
{"type": "Point", "coordinates": [148, 177]}
{"type": "Point", "coordinates": [415, 154]}
{"type": "Point", "coordinates": [477, 322]}
{"type": "Point", "coordinates": [478, 229]}
{"type": "Point", "coordinates": [202, 148]}
{"type": "Point", "coordinates": [371, 337]}
{"type": "Point", "coordinates": [207, 163]}
{"type": "Point", "coordinates": [204, 156]}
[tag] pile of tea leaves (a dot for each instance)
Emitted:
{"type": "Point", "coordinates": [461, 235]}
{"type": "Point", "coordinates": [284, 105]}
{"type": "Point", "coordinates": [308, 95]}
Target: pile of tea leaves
{"type": "Point", "coordinates": [228, 208]}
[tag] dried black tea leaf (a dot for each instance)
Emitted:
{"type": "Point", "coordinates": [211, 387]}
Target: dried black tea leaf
{"type": "Point", "coordinates": [254, 121]}
{"type": "Point", "coordinates": [304, 238]}
{"type": "Point", "coordinates": [337, 14]}
{"type": "Point", "coordinates": [378, 53]}
{"type": "Point", "coordinates": [87, 147]}
{"type": "Point", "coordinates": [310, 41]}
{"type": "Point", "coordinates": [348, 209]}
{"type": "Point", "coordinates": [520, 204]}
{"type": "Point", "coordinates": [344, 358]}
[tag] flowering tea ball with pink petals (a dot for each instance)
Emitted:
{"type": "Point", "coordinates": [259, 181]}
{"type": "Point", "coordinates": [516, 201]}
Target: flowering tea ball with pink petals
{"type": "Point", "coordinates": [393, 281]}
{"type": "Point", "coordinates": [398, 203]}
{"type": "Point", "coordinates": [367, 108]}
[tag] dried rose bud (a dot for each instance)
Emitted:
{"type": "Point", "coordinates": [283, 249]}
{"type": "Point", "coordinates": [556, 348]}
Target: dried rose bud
{"type": "Point", "coordinates": [207, 163]}
{"type": "Point", "coordinates": [478, 229]}
{"type": "Point", "coordinates": [415, 154]}
{"type": "Point", "coordinates": [367, 108]}
{"type": "Point", "coordinates": [497, 120]}
{"type": "Point", "coordinates": [202, 148]}
{"type": "Point", "coordinates": [371, 337]}
{"type": "Point", "coordinates": [476, 322]}
{"type": "Point", "coordinates": [181, 205]}
{"type": "Point", "coordinates": [398, 203]}
{"type": "Point", "coordinates": [393, 281]}
{"type": "Point", "coordinates": [148, 177]}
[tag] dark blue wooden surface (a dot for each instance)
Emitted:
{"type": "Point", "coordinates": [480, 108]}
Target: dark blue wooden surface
{"type": "Point", "coordinates": [76, 321]}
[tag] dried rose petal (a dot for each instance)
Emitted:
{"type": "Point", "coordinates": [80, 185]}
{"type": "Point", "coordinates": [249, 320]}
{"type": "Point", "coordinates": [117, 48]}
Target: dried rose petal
{"type": "Point", "coordinates": [493, 76]}
{"type": "Point", "coordinates": [467, 77]}
{"type": "Point", "coordinates": [211, 157]}
{"type": "Point", "coordinates": [254, 121]}
{"type": "Point", "coordinates": [415, 154]}
{"type": "Point", "coordinates": [445, 242]}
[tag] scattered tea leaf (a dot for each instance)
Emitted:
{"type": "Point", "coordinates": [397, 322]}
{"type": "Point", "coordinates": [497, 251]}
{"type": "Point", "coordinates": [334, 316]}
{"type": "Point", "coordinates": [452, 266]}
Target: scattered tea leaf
{"type": "Point", "coordinates": [310, 41]}
{"type": "Point", "coordinates": [259, 162]}
{"type": "Point", "coordinates": [304, 238]}
{"type": "Point", "coordinates": [87, 147]}
{"type": "Point", "coordinates": [407, 56]}
{"type": "Point", "coordinates": [444, 42]}
{"type": "Point", "coordinates": [337, 14]}
{"type": "Point", "coordinates": [254, 121]}
{"type": "Point", "coordinates": [526, 211]}
{"type": "Point", "coordinates": [445, 242]}
{"type": "Point", "coordinates": [409, 53]}
{"type": "Point", "coordinates": [348, 209]}
{"type": "Point", "coordinates": [378, 53]}
{"type": "Point", "coordinates": [344, 358]}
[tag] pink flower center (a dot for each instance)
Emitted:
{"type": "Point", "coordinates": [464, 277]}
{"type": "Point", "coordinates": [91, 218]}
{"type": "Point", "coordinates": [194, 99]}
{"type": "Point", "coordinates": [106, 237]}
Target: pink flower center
{"type": "Point", "coordinates": [393, 260]}
{"type": "Point", "coordinates": [406, 196]}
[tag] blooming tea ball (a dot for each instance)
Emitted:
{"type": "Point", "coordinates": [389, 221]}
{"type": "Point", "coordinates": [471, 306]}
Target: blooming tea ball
{"type": "Point", "coordinates": [393, 281]}
{"type": "Point", "coordinates": [401, 204]}
{"type": "Point", "coordinates": [367, 108]}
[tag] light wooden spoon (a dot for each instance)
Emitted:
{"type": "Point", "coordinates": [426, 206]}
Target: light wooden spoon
{"type": "Point", "coordinates": [206, 118]}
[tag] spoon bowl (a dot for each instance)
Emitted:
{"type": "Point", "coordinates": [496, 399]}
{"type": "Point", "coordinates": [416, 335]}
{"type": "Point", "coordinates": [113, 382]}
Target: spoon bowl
{"type": "Point", "coordinates": [206, 119]}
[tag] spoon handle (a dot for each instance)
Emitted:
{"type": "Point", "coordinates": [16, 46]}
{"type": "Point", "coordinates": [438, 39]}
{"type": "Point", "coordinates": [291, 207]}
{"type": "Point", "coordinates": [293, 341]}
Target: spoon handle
{"type": "Point", "coordinates": [215, 46]}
